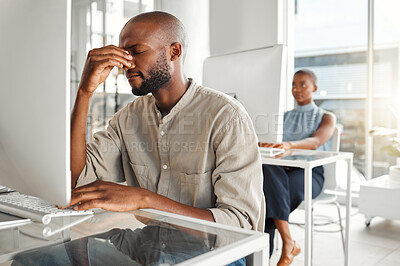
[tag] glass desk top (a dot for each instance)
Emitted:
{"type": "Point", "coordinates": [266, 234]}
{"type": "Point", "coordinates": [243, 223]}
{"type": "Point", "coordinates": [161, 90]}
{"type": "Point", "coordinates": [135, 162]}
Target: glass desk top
{"type": "Point", "coordinates": [18, 238]}
{"type": "Point", "coordinates": [150, 237]}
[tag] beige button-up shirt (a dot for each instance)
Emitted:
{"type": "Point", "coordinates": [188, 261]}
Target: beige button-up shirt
{"type": "Point", "coordinates": [204, 154]}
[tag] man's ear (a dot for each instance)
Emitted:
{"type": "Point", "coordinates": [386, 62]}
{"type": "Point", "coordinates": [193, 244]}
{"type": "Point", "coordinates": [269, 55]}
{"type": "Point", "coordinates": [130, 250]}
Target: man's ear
{"type": "Point", "coordinates": [175, 51]}
{"type": "Point", "coordinates": [315, 88]}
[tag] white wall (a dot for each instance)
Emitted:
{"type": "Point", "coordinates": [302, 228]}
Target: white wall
{"type": "Point", "coordinates": [194, 14]}
{"type": "Point", "coordinates": [239, 25]}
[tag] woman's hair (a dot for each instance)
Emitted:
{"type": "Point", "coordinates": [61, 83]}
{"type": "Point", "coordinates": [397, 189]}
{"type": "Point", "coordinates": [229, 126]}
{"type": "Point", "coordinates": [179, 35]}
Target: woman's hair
{"type": "Point", "coordinates": [308, 73]}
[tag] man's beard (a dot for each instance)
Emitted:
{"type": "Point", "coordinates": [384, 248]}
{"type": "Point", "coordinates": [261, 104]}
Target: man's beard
{"type": "Point", "coordinates": [158, 76]}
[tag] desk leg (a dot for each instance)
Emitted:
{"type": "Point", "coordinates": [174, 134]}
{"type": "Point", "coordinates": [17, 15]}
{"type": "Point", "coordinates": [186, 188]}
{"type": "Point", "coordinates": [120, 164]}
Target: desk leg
{"type": "Point", "coordinates": [65, 233]}
{"type": "Point", "coordinates": [307, 203]}
{"type": "Point", "coordinates": [348, 209]}
{"type": "Point", "coordinates": [15, 231]}
{"type": "Point", "coordinates": [261, 258]}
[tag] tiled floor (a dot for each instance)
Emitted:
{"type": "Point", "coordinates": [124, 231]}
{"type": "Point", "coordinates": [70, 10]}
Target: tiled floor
{"type": "Point", "coordinates": [378, 244]}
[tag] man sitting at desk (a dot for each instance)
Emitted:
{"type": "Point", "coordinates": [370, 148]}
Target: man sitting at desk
{"type": "Point", "coordinates": [183, 148]}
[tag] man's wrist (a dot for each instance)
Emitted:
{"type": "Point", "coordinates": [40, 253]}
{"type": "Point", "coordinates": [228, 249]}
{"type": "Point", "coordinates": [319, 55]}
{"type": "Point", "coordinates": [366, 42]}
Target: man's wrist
{"type": "Point", "coordinates": [146, 199]}
{"type": "Point", "coordinates": [84, 93]}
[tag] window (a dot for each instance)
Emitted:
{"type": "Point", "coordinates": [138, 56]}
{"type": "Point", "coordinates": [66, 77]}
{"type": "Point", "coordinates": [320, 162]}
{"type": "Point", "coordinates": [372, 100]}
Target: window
{"type": "Point", "coordinates": [331, 39]}
{"type": "Point", "coordinates": [96, 23]}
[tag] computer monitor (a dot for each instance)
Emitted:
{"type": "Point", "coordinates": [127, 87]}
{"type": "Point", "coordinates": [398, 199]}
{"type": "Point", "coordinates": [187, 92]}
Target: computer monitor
{"type": "Point", "coordinates": [257, 78]}
{"type": "Point", "coordinates": [35, 98]}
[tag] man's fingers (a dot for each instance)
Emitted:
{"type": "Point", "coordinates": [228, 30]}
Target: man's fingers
{"type": "Point", "coordinates": [111, 49]}
{"type": "Point", "coordinates": [117, 48]}
{"type": "Point", "coordinates": [105, 63]}
{"type": "Point", "coordinates": [94, 186]}
{"type": "Point", "coordinates": [109, 63]}
{"type": "Point", "coordinates": [84, 196]}
{"type": "Point", "coordinates": [112, 58]}
{"type": "Point", "coordinates": [90, 204]}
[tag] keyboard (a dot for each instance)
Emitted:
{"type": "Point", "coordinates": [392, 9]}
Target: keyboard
{"type": "Point", "coordinates": [270, 152]}
{"type": "Point", "coordinates": [33, 208]}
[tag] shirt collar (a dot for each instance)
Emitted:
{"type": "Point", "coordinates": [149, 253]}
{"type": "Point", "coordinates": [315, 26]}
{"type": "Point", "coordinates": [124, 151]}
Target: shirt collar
{"type": "Point", "coordinates": [183, 101]}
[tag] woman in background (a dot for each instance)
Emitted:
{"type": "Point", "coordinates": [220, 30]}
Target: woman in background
{"type": "Point", "coordinates": [305, 127]}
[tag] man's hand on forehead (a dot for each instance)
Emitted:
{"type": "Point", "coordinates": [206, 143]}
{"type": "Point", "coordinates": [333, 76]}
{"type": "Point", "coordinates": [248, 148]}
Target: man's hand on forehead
{"type": "Point", "coordinates": [100, 62]}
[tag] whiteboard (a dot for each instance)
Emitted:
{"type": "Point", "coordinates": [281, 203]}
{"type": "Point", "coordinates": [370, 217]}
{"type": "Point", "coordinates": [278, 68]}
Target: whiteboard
{"type": "Point", "coordinates": [257, 79]}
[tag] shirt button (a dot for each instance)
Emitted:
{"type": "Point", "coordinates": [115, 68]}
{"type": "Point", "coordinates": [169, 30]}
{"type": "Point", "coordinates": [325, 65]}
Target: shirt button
{"type": "Point", "coordinates": [165, 167]}
{"type": "Point", "coordinates": [162, 133]}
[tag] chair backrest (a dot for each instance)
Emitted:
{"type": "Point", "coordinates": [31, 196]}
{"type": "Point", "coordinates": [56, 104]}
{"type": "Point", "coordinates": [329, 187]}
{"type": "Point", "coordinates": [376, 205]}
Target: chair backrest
{"type": "Point", "coordinates": [330, 169]}
{"type": "Point", "coordinates": [336, 139]}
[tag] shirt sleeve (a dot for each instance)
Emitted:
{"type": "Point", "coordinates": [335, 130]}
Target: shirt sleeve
{"type": "Point", "coordinates": [238, 179]}
{"type": "Point", "coordinates": [103, 157]}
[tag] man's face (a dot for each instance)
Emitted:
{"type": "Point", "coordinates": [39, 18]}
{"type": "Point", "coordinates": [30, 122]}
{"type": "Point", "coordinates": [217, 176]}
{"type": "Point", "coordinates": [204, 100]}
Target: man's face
{"type": "Point", "coordinates": [157, 76]}
{"type": "Point", "coordinates": [150, 70]}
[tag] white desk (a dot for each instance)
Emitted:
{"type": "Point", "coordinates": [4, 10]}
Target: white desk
{"type": "Point", "coordinates": [219, 244]}
{"type": "Point", "coordinates": [308, 159]}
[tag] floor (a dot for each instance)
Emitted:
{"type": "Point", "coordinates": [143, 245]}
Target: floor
{"type": "Point", "coordinates": [378, 244]}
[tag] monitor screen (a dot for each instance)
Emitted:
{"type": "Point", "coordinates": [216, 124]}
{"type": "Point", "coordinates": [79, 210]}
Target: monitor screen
{"type": "Point", "coordinates": [34, 98]}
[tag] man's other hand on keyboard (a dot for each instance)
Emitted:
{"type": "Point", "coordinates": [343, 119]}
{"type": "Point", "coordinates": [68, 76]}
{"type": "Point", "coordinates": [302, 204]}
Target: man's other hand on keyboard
{"type": "Point", "coordinates": [115, 197]}
{"type": "Point", "coordinates": [108, 196]}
